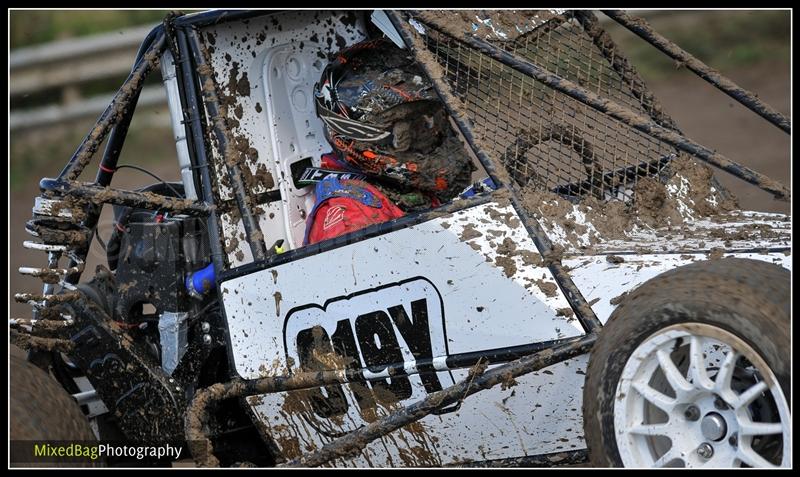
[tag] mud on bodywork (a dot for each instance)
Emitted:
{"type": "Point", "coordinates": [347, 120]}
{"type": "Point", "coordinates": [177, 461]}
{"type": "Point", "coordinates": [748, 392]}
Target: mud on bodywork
{"type": "Point", "coordinates": [257, 87]}
{"type": "Point", "coordinates": [682, 210]}
{"type": "Point", "coordinates": [670, 192]}
{"type": "Point", "coordinates": [265, 68]}
{"type": "Point", "coordinates": [480, 265]}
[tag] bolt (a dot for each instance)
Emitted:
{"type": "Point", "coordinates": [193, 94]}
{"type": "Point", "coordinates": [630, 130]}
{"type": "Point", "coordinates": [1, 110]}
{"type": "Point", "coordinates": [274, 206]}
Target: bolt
{"type": "Point", "coordinates": [205, 326]}
{"type": "Point", "coordinates": [733, 441]}
{"type": "Point", "coordinates": [207, 339]}
{"type": "Point", "coordinates": [705, 450]}
{"type": "Point", "coordinates": [692, 413]}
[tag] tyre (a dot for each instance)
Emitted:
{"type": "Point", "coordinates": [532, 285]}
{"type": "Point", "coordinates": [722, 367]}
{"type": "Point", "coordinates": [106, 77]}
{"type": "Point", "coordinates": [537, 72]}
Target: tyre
{"type": "Point", "coordinates": [41, 410]}
{"type": "Point", "coordinates": [693, 370]}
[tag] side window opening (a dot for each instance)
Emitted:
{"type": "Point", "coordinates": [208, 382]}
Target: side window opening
{"type": "Point", "coordinates": [277, 126]}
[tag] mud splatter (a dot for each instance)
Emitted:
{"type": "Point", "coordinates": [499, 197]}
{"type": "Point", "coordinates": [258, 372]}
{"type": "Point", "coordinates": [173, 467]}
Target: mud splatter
{"type": "Point", "coordinates": [499, 25]}
{"type": "Point", "coordinates": [508, 264]}
{"type": "Point", "coordinates": [277, 295]}
{"type": "Point", "coordinates": [685, 192]}
{"type": "Point", "coordinates": [618, 299]}
{"type": "Point", "coordinates": [716, 253]}
{"type": "Point", "coordinates": [469, 233]}
{"type": "Point", "coordinates": [566, 312]}
{"type": "Point", "coordinates": [550, 289]}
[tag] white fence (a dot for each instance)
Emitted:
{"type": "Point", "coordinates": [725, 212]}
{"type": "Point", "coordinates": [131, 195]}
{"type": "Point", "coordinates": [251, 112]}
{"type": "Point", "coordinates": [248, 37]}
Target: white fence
{"type": "Point", "coordinates": [66, 66]}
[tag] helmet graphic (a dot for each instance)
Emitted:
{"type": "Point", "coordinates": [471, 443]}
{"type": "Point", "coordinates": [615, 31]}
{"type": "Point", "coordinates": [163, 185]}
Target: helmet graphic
{"type": "Point", "coordinates": [381, 113]}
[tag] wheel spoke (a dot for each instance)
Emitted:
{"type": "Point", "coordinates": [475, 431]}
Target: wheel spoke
{"type": "Point", "coordinates": [651, 429]}
{"type": "Point", "coordinates": [760, 428]}
{"type": "Point", "coordinates": [697, 364]}
{"type": "Point", "coordinates": [750, 457]}
{"type": "Point", "coordinates": [750, 394]}
{"type": "Point", "coordinates": [668, 457]}
{"type": "Point", "coordinates": [711, 416]}
{"type": "Point", "coordinates": [723, 381]}
{"type": "Point", "coordinates": [674, 377]}
{"type": "Point", "coordinates": [662, 401]}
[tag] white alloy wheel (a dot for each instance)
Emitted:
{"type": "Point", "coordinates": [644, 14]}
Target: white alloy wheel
{"type": "Point", "coordinates": [696, 395]}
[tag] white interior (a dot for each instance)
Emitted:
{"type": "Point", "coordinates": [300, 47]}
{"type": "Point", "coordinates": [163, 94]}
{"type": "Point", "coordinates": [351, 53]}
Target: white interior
{"type": "Point", "coordinates": [282, 62]}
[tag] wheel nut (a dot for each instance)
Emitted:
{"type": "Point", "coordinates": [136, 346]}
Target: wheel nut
{"type": "Point", "coordinates": [705, 450]}
{"type": "Point", "coordinates": [207, 339]}
{"type": "Point", "coordinates": [205, 326]}
{"type": "Point", "coordinates": [692, 413]}
{"type": "Point", "coordinates": [733, 441]}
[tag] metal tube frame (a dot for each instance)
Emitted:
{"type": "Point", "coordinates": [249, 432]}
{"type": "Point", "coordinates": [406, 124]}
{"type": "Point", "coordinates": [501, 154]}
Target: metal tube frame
{"type": "Point", "coordinates": [620, 113]}
{"type": "Point", "coordinates": [533, 359]}
{"type": "Point", "coordinates": [749, 100]}
{"type": "Point", "coordinates": [578, 303]}
{"type": "Point", "coordinates": [518, 361]}
{"type": "Point", "coordinates": [209, 91]}
{"type": "Point", "coordinates": [358, 439]}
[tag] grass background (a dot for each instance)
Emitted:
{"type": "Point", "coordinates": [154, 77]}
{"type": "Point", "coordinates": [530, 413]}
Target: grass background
{"type": "Point", "coordinates": [31, 27]}
{"type": "Point", "coordinates": [725, 40]}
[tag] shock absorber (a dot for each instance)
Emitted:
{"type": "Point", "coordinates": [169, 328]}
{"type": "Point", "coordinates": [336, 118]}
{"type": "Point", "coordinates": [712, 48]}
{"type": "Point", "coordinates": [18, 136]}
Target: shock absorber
{"type": "Point", "coordinates": [57, 223]}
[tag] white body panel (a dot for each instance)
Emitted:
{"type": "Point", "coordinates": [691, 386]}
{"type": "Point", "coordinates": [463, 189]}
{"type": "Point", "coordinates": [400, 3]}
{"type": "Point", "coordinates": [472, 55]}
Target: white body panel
{"type": "Point", "coordinates": [602, 282]}
{"type": "Point", "coordinates": [452, 263]}
{"type": "Point", "coordinates": [476, 306]}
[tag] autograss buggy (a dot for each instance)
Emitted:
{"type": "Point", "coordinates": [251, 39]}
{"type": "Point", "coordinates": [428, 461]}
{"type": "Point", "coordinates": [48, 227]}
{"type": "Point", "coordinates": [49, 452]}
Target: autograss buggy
{"type": "Point", "coordinates": [608, 301]}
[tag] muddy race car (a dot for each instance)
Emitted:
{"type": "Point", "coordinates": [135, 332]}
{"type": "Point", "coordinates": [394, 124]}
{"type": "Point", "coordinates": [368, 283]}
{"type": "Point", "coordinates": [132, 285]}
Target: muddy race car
{"type": "Point", "coordinates": [603, 298]}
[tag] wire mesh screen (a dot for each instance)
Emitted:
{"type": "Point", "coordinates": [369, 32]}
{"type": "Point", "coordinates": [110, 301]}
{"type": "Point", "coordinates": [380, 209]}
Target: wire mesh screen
{"type": "Point", "coordinates": [544, 138]}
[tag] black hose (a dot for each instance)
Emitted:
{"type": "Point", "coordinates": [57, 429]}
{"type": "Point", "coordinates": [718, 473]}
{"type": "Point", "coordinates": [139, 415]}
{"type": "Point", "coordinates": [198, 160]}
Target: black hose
{"type": "Point", "coordinates": [142, 169]}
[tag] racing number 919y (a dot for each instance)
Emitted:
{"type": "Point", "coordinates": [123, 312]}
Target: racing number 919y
{"type": "Point", "coordinates": [387, 331]}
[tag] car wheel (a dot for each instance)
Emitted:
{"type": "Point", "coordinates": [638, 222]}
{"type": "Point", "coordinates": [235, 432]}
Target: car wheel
{"type": "Point", "coordinates": [693, 370]}
{"type": "Point", "coordinates": [41, 411]}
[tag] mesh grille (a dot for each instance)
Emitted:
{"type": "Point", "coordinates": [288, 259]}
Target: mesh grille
{"type": "Point", "coordinates": [544, 138]}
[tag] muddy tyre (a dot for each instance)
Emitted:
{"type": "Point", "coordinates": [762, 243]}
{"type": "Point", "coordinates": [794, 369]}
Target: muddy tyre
{"type": "Point", "coordinates": [41, 410]}
{"type": "Point", "coordinates": [693, 369]}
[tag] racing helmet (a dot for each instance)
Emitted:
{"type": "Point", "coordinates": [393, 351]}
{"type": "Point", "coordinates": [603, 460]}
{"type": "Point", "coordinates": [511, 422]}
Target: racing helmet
{"type": "Point", "coordinates": [381, 113]}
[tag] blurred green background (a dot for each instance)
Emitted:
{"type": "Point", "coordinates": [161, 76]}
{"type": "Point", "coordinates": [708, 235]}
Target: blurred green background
{"type": "Point", "coordinates": [43, 151]}
{"type": "Point", "coordinates": [726, 40]}
{"type": "Point", "coordinates": [31, 27]}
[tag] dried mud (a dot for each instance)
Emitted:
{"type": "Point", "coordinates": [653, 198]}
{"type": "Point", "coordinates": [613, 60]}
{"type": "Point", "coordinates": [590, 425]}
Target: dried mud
{"type": "Point", "coordinates": [686, 192]}
{"type": "Point", "coordinates": [228, 86]}
{"type": "Point", "coordinates": [300, 430]}
{"type": "Point", "coordinates": [501, 25]}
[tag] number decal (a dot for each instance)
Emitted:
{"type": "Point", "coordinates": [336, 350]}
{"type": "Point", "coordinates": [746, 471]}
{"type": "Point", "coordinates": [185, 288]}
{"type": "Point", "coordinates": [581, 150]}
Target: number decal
{"type": "Point", "coordinates": [396, 324]}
